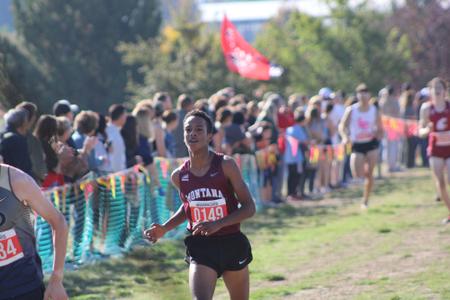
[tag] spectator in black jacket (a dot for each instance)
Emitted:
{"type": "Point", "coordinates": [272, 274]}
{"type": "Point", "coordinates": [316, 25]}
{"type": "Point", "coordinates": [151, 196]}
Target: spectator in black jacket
{"type": "Point", "coordinates": [13, 145]}
{"type": "Point", "coordinates": [35, 149]}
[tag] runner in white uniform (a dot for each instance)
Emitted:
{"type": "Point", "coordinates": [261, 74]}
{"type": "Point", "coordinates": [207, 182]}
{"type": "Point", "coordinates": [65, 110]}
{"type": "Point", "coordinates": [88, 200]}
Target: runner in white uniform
{"type": "Point", "coordinates": [363, 121]}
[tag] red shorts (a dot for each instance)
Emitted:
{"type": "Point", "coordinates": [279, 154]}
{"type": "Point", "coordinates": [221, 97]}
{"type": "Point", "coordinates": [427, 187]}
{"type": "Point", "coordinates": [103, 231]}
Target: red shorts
{"type": "Point", "coordinates": [441, 152]}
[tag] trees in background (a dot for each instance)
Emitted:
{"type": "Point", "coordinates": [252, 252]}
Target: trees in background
{"type": "Point", "coordinates": [20, 76]}
{"type": "Point", "coordinates": [185, 58]}
{"type": "Point", "coordinates": [349, 46]}
{"type": "Point", "coordinates": [99, 52]}
{"type": "Point", "coordinates": [426, 23]}
{"type": "Point", "coordinates": [76, 44]}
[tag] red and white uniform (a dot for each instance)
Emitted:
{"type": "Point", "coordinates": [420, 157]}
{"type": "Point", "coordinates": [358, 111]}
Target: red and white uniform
{"type": "Point", "coordinates": [209, 197]}
{"type": "Point", "coordinates": [439, 138]}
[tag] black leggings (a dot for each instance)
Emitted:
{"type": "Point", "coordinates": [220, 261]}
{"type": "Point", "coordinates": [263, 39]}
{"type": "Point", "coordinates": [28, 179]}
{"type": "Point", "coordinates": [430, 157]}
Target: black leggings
{"type": "Point", "coordinates": [309, 174]}
{"type": "Point", "coordinates": [293, 181]}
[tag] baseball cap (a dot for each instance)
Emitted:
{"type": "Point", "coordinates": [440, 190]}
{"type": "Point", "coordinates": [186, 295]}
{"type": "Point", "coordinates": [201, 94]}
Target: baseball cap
{"type": "Point", "coordinates": [425, 92]}
{"type": "Point", "coordinates": [62, 107]}
{"type": "Point", "coordinates": [325, 93]}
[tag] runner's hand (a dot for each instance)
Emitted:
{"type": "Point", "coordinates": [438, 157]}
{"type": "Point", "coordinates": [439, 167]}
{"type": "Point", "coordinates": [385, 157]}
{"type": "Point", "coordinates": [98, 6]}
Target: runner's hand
{"type": "Point", "coordinates": [154, 233]}
{"type": "Point", "coordinates": [55, 290]}
{"type": "Point", "coordinates": [139, 160]}
{"type": "Point", "coordinates": [206, 228]}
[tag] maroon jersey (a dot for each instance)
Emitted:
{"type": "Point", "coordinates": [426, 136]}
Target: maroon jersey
{"type": "Point", "coordinates": [439, 138]}
{"type": "Point", "coordinates": [209, 197]}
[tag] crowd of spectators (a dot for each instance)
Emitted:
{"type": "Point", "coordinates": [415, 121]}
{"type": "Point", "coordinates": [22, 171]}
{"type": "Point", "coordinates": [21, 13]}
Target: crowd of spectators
{"type": "Point", "coordinates": [63, 147]}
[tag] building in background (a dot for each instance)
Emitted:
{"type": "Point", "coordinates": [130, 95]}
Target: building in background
{"type": "Point", "coordinates": [250, 16]}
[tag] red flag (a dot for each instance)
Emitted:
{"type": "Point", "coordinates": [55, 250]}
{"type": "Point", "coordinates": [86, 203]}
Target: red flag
{"type": "Point", "coordinates": [242, 58]}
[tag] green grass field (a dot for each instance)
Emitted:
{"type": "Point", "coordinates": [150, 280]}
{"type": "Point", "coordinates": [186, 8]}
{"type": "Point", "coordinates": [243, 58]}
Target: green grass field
{"type": "Point", "coordinates": [326, 249]}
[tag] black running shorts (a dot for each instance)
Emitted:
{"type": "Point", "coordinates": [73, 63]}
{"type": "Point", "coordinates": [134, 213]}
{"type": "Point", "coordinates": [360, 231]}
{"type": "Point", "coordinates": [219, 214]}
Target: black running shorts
{"type": "Point", "coordinates": [364, 148]}
{"type": "Point", "coordinates": [221, 253]}
{"type": "Point", "coordinates": [37, 294]}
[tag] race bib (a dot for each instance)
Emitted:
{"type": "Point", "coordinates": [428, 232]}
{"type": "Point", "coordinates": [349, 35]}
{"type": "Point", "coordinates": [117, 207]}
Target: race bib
{"type": "Point", "coordinates": [206, 211]}
{"type": "Point", "coordinates": [442, 138]}
{"type": "Point", "coordinates": [364, 136]}
{"type": "Point", "coordinates": [10, 248]}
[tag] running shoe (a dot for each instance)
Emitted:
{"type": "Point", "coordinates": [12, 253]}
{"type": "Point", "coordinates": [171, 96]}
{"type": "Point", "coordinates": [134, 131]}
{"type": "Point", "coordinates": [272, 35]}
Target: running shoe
{"type": "Point", "coordinates": [306, 197]}
{"type": "Point", "coordinates": [325, 190]}
{"type": "Point", "coordinates": [277, 200]}
{"type": "Point", "coordinates": [293, 198]}
{"type": "Point", "coordinates": [446, 221]}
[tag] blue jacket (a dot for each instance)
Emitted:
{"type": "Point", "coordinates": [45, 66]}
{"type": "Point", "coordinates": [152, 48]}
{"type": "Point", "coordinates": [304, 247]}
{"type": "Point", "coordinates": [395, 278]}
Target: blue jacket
{"type": "Point", "coordinates": [93, 161]}
{"type": "Point", "coordinates": [300, 135]}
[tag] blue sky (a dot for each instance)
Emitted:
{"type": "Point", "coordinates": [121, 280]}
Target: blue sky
{"type": "Point", "coordinates": [245, 10]}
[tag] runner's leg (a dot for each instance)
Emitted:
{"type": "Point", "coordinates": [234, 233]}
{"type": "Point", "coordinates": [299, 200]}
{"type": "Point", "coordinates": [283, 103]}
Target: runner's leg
{"type": "Point", "coordinates": [202, 281]}
{"type": "Point", "coordinates": [237, 283]}
{"type": "Point", "coordinates": [437, 166]}
{"type": "Point", "coordinates": [357, 165]}
{"type": "Point", "coordinates": [371, 161]}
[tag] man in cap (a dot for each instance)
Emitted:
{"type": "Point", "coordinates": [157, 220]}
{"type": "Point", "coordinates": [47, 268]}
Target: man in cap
{"type": "Point", "coordinates": [66, 109]}
{"type": "Point", "coordinates": [63, 108]}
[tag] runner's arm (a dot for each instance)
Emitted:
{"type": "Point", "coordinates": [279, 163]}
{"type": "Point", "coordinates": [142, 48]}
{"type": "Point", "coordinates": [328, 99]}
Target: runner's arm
{"type": "Point", "coordinates": [26, 189]}
{"type": "Point", "coordinates": [343, 125]}
{"type": "Point", "coordinates": [157, 231]}
{"type": "Point", "coordinates": [247, 209]}
{"type": "Point", "coordinates": [331, 127]}
{"type": "Point", "coordinates": [380, 129]}
{"type": "Point", "coordinates": [177, 219]}
{"type": "Point", "coordinates": [159, 139]}
{"type": "Point", "coordinates": [424, 120]}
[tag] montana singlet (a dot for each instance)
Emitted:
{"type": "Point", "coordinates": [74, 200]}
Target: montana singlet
{"type": "Point", "coordinates": [439, 138]}
{"type": "Point", "coordinates": [209, 197]}
{"type": "Point", "coordinates": [20, 265]}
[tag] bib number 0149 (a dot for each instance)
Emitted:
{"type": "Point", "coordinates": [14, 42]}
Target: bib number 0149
{"type": "Point", "coordinates": [204, 211]}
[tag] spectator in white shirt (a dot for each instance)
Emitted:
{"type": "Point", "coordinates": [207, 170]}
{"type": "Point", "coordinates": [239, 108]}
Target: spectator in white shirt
{"type": "Point", "coordinates": [118, 116]}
